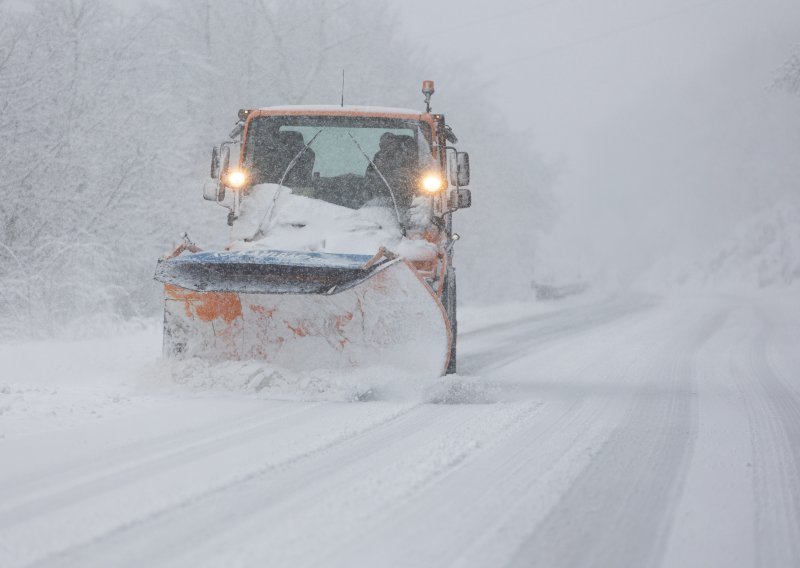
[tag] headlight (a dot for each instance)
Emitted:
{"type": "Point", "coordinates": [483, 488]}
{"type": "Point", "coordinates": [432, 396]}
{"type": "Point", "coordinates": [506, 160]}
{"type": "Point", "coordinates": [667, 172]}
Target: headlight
{"type": "Point", "coordinates": [236, 179]}
{"type": "Point", "coordinates": [432, 183]}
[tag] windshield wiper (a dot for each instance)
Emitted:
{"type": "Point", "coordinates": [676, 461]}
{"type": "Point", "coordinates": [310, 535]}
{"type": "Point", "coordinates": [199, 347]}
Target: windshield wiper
{"type": "Point", "coordinates": [268, 215]}
{"type": "Point", "coordinates": [297, 156]}
{"type": "Point", "coordinates": [386, 183]}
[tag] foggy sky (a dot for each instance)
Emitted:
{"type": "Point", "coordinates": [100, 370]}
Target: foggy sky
{"type": "Point", "coordinates": [658, 114]}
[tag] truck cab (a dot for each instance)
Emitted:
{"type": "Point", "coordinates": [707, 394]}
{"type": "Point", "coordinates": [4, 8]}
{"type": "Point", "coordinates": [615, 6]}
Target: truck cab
{"type": "Point", "coordinates": [326, 201]}
{"type": "Point", "coordinates": [348, 156]}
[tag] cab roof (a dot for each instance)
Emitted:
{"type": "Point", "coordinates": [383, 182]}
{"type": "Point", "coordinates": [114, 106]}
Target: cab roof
{"type": "Point", "coordinates": [336, 110]}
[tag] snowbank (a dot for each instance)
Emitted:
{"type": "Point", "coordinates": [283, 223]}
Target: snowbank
{"type": "Point", "coordinates": [47, 385]}
{"type": "Point", "coordinates": [762, 253]}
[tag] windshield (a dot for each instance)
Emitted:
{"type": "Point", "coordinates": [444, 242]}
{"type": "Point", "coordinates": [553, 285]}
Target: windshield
{"type": "Point", "coordinates": [336, 166]}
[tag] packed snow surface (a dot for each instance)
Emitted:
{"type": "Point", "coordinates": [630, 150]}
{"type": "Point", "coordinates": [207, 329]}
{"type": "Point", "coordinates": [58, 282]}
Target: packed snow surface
{"type": "Point", "coordinates": [630, 431]}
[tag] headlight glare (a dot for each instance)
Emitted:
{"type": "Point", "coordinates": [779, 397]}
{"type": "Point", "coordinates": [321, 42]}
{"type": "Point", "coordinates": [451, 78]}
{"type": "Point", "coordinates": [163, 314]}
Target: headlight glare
{"type": "Point", "coordinates": [432, 183]}
{"type": "Point", "coordinates": [236, 179]}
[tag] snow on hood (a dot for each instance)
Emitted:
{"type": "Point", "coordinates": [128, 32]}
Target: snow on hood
{"type": "Point", "coordinates": [273, 218]}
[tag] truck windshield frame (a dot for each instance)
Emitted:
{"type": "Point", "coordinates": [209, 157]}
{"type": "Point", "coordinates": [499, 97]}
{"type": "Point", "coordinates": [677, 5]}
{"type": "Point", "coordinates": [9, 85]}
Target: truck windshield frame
{"type": "Point", "coordinates": [333, 168]}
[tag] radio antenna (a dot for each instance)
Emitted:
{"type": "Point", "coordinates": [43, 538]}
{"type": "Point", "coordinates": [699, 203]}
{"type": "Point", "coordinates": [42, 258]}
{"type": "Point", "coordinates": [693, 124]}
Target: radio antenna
{"type": "Point", "coordinates": [342, 87]}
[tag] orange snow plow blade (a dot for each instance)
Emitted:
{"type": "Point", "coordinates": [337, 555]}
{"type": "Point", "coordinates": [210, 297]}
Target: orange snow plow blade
{"type": "Point", "coordinates": [324, 314]}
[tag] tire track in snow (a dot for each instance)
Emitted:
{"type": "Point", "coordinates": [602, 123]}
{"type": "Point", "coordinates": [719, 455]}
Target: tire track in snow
{"type": "Point", "coordinates": [583, 319]}
{"type": "Point", "coordinates": [509, 338]}
{"type": "Point", "coordinates": [324, 496]}
{"type": "Point", "coordinates": [439, 483]}
{"type": "Point", "coordinates": [739, 504]}
{"type": "Point", "coordinates": [618, 511]}
{"type": "Point", "coordinates": [775, 418]}
{"type": "Point", "coordinates": [137, 496]}
{"type": "Point", "coordinates": [146, 461]}
{"type": "Point", "coordinates": [108, 467]}
{"type": "Point", "coordinates": [439, 522]}
{"type": "Point", "coordinates": [459, 520]}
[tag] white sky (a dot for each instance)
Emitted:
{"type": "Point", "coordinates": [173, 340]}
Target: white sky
{"type": "Point", "coordinates": [564, 66]}
{"type": "Point", "coordinates": [659, 110]}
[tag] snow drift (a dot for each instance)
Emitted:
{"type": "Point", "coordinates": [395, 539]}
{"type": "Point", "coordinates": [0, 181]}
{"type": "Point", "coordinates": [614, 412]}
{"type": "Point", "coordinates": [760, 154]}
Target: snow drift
{"type": "Point", "coordinates": [761, 253]}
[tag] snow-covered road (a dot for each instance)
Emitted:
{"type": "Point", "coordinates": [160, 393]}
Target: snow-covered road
{"type": "Point", "coordinates": [626, 432]}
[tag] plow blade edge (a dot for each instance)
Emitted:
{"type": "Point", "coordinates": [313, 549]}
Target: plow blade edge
{"type": "Point", "coordinates": [302, 311]}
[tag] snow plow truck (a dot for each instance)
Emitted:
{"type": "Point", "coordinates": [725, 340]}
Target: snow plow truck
{"type": "Point", "coordinates": [341, 243]}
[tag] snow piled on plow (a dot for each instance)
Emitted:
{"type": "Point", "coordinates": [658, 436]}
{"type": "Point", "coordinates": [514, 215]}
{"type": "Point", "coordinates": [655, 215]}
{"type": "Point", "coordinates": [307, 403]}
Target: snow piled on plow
{"type": "Point", "coordinates": [388, 316]}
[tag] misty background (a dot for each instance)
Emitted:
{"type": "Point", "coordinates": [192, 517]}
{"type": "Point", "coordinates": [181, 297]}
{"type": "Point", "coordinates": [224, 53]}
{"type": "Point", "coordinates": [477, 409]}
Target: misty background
{"type": "Point", "coordinates": [669, 125]}
{"type": "Point", "coordinates": [613, 143]}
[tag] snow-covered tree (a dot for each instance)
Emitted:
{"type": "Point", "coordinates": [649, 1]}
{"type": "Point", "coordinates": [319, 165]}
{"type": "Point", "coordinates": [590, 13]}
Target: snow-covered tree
{"type": "Point", "coordinates": [107, 119]}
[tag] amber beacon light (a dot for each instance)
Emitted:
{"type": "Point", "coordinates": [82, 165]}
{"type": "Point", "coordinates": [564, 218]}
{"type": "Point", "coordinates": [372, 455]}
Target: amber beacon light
{"type": "Point", "coordinates": [428, 90]}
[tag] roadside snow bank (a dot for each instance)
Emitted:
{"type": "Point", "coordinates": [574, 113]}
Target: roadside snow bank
{"type": "Point", "coordinates": [114, 359]}
{"type": "Point", "coordinates": [54, 384]}
{"type": "Point", "coordinates": [762, 253]}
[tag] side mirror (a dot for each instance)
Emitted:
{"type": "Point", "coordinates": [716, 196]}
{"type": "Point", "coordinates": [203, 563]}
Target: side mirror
{"type": "Point", "coordinates": [462, 168]}
{"type": "Point", "coordinates": [452, 165]}
{"type": "Point", "coordinates": [464, 198]}
{"type": "Point", "coordinates": [213, 189]}
{"type": "Point", "coordinates": [220, 161]}
{"type": "Point", "coordinates": [225, 160]}
{"type": "Point", "coordinates": [460, 199]}
{"type": "Point", "coordinates": [215, 162]}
